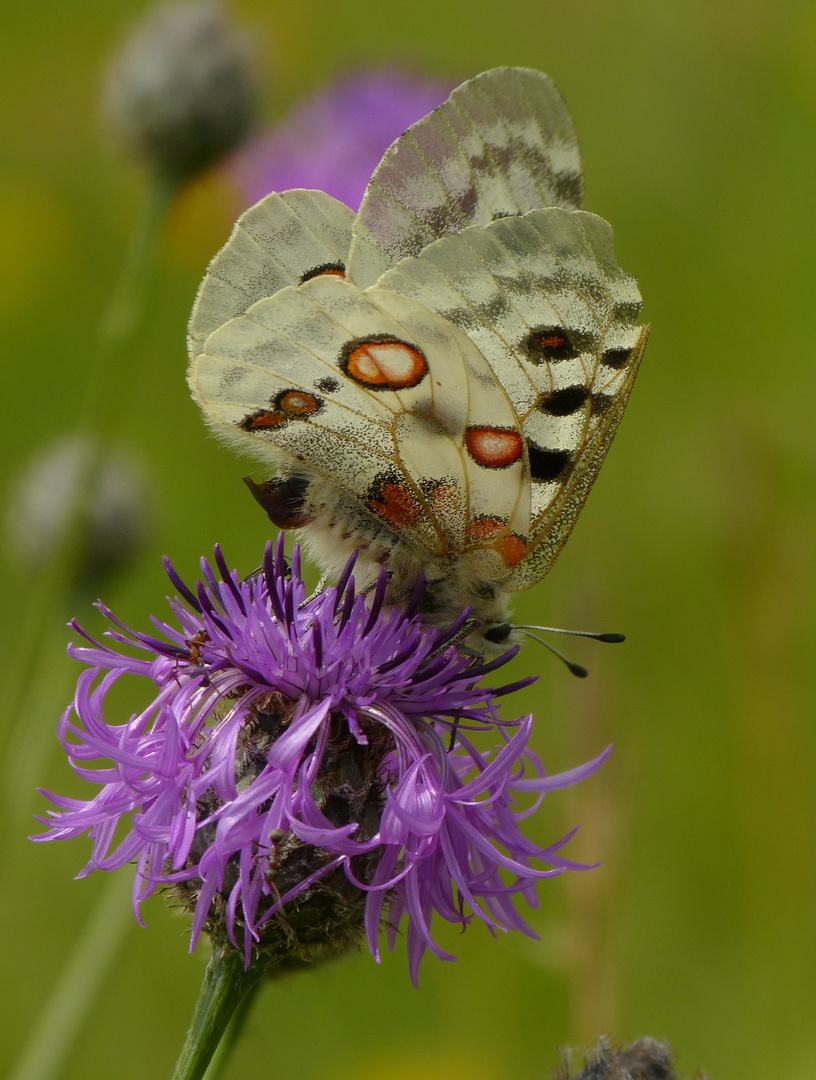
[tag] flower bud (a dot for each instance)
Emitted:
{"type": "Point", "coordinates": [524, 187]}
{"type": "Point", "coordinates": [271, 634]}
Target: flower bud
{"type": "Point", "coordinates": [182, 92]}
{"type": "Point", "coordinates": [71, 485]}
{"type": "Point", "coordinates": [645, 1059]}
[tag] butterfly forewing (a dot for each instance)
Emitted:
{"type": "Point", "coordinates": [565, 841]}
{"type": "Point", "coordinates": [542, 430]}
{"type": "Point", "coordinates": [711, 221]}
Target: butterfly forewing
{"type": "Point", "coordinates": [553, 526]}
{"type": "Point", "coordinates": [554, 315]}
{"type": "Point", "coordinates": [278, 242]}
{"type": "Point", "coordinates": [502, 144]}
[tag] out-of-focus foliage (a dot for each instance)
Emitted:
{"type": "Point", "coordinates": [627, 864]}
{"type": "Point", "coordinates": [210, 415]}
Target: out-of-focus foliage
{"type": "Point", "coordinates": [697, 120]}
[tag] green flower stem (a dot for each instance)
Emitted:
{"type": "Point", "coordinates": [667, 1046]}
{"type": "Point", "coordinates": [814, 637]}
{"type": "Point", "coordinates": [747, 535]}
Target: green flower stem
{"type": "Point", "coordinates": [226, 995]}
{"type": "Point", "coordinates": [66, 1014]}
{"type": "Point", "coordinates": [124, 316]}
{"type": "Point", "coordinates": [52, 590]}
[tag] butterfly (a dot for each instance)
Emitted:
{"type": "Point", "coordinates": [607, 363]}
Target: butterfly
{"type": "Point", "coordinates": [436, 379]}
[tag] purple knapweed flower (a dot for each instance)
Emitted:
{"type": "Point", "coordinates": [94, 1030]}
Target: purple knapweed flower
{"type": "Point", "coordinates": [335, 139]}
{"type": "Point", "coordinates": [292, 779]}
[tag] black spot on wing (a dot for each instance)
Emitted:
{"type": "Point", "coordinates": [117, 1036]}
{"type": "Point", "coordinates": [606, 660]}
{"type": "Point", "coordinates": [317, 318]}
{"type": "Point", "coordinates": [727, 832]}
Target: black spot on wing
{"type": "Point", "coordinates": [327, 385]}
{"type": "Point", "coordinates": [617, 358]}
{"type": "Point", "coordinates": [563, 402]}
{"type": "Point", "coordinates": [600, 403]}
{"type": "Point", "coordinates": [547, 465]}
{"type": "Point", "coordinates": [549, 344]}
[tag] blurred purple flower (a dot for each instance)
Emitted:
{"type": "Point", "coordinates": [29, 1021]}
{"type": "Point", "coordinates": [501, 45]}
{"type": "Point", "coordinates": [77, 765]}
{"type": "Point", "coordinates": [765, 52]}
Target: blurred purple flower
{"type": "Point", "coordinates": [334, 140]}
{"type": "Point", "coordinates": [291, 778]}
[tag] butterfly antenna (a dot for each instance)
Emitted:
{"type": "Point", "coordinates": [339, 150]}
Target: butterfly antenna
{"type": "Point", "coordinates": [576, 669]}
{"type": "Point", "coordinates": [611, 639]}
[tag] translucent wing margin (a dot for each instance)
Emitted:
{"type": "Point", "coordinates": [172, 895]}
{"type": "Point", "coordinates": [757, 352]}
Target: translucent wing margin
{"type": "Point", "coordinates": [502, 144]}
{"type": "Point", "coordinates": [274, 244]}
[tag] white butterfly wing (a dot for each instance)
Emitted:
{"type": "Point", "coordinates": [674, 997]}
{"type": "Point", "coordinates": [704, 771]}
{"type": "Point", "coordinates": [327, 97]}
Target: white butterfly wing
{"type": "Point", "coordinates": [383, 400]}
{"type": "Point", "coordinates": [502, 144]}
{"type": "Point", "coordinates": [544, 299]}
{"type": "Point", "coordinates": [278, 242]}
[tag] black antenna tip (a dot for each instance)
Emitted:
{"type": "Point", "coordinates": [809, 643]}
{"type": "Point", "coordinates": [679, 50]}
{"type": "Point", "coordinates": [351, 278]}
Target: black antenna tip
{"type": "Point", "coordinates": [576, 669]}
{"type": "Point", "coordinates": [613, 639]}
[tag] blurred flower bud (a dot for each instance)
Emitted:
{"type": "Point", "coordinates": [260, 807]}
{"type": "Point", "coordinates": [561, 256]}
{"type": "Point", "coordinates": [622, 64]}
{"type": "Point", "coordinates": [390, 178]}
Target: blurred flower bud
{"type": "Point", "coordinates": [182, 92]}
{"type": "Point", "coordinates": [69, 485]}
{"type": "Point", "coordinates": [645, 1059]}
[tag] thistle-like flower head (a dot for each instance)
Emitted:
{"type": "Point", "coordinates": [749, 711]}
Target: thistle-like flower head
{"type": "Point", "coordinates": [292, 779]}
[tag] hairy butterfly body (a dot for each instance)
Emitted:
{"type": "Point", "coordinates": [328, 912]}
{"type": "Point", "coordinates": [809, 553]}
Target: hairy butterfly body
{"type": "Point", "coordinates": [436, 379]}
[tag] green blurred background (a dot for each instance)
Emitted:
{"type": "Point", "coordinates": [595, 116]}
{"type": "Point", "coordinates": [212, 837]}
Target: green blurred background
{"type": "Point", "coordinates": [697, 121]}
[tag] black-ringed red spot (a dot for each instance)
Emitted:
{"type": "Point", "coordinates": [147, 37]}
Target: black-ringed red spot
{"type": "Point", "coordinates": [325, 270]}
{"type": "Point", "coordinates": [383, 363]}
{"type": "Point", "coordinates": [285, 406]}
{"type": "Point", "coordinates": [262, 421]}
{"type": "Point", "coordinates": [494, 447]}
{"type": "Point", "coordinates": [549, 344]}
{"type": "Point", "coordinates": [296, 403]}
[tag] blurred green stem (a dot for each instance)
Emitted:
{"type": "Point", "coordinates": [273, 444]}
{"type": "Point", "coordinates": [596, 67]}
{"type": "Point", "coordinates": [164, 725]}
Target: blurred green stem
{"type": "Point", "coordinates": [65, 1015]}
{"type": "Point", "coordinates": [226, 996]}
{"type": "Point", "coordinates": [52, 589]}
{"type": "Point", "coordinates": [125, 313]}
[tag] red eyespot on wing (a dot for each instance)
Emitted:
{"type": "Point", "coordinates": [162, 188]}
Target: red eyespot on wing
{"type": "Point", "coordinates": [263, 421]}
{"type": "Point", "coordinates": [384, 364]}
{"type": "Point", "coordinates": [512, 550]}
{"type": "Point", "coordinates": [287, 405]}
{"type": "Point", "coordinates": [294, 403]}
{"type": "Point", "coordinates": [494, 448]}
{"type": "Point", "coordinates": [395, 504]}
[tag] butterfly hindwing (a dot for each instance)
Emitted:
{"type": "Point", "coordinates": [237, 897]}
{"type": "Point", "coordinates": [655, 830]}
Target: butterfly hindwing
{"type": "Point", "coordinates": [502, 144]}
{"type": "Point", "coordinates": [380, 398]}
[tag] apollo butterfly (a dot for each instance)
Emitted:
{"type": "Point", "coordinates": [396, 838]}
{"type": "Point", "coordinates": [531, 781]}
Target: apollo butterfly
{"type": "Point", "coordinates": [436, 379]}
